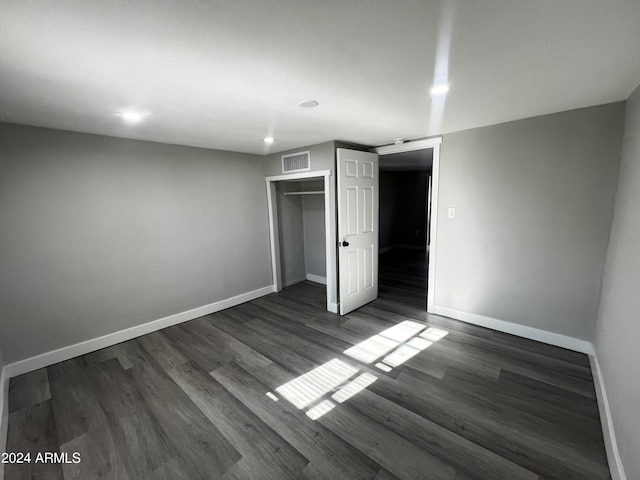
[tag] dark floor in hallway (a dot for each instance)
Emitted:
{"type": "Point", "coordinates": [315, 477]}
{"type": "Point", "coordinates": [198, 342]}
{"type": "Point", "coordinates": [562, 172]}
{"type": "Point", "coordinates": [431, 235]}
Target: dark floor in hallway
{"type": "Point", "coordinates": [403, 276]}
{"type": "Point", "coordinates": [190, 401]}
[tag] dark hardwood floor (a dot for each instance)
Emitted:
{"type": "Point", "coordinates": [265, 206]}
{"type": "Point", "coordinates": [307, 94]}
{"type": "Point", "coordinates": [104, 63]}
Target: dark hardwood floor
{"type": "Point", "coordinates": [403, 276]}
{"type": "Point", "coordinates": [190, 401]}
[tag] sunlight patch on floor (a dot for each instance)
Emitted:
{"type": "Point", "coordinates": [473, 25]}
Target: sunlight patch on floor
{"type": "Point", "coordinates": [404, 340]}
{"type": "Point", "coordinates": [306, 389]}
{"type": "Point", "coordinates": [400, 355]}
{"type": "Point", "coordinates": [403, 331]}
{"type": "Point", "coordinates": [396, 344]}
{"type": "Point", "coordinates": [434, 334]}
{"type": "Point", "coordinates": [419, 343]}
{"type": "Point", "coordinates": [371, 349]}
{"type": "Point", "coordinates": [353, 387]}
{"type": "Point", "coordinates": [383, 367]}
{"type": "Point", "coordinates": [320, 409]}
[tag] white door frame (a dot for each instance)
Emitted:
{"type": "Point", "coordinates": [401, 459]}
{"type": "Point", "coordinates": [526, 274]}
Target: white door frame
{"type": "Point", "coordinates": [328, 226]}
{"type": "Point", "coordinates": [433, 226]}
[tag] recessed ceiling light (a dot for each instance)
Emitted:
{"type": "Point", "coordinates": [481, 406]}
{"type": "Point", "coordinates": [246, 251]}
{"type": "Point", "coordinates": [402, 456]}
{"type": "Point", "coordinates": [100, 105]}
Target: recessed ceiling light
{"type": "Point", "coordinates": [440, 89]}
{"type": "Point", "coordinates": [268, 140]}
{"type": "Point", "coordinates": [131, 116]}
{"type": "Point", "coordinates": [309, 104]}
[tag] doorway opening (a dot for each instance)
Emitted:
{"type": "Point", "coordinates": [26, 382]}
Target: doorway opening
{"type": "Point", "coordinates": [301, 230]}
{"type": "Point", "coordinates": [408, 220]}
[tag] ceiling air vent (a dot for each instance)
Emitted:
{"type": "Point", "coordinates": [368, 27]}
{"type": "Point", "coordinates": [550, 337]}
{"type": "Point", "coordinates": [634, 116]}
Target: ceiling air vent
{"type": "Point", "coordinates": [296, 162]}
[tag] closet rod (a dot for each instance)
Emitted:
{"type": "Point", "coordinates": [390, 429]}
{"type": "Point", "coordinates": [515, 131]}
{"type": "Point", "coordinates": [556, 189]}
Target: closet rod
{"type": "Point", "coordinates": [319, 192]}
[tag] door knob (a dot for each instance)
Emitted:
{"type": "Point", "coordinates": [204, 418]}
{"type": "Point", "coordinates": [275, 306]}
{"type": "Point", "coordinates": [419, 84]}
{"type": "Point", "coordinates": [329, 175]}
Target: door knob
{"type": "Point", "coordinates": [345, 244]}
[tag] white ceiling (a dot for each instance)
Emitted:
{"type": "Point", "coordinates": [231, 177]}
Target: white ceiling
{"type": "Point", "coordinates": [224, 74]}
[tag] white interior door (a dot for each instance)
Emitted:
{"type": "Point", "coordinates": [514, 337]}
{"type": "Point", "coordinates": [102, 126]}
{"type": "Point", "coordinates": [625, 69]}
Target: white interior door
{"type": "Point", "coordinates": [358, 200]}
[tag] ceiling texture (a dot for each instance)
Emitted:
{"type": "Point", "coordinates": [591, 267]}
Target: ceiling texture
{"type": "Point", "coordinates": [225, 74]}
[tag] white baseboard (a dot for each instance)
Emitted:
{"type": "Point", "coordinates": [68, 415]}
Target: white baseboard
{"type": "Point", "coordinates": [333, 307]}
{"type": "Point", "coordinates": [582, 346]}
{"type": "Point", "coordinates": [309, 276]}
{"type": "Point", "coordinates": [293, 282]}
{"type": "Point", "coordinates": [316, 278]}
{"type": "Point", "coordinates": [82, 348]}
{"type": "Point", "coordinates": [531, 333]}
{"type": "Point", "coordinates": [4, 414]}
{"type": "Point", "coordinates": [611, 446]}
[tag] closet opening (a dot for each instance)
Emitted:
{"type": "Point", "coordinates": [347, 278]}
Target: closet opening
{"type": "Point", "coordinates": [300, 230]}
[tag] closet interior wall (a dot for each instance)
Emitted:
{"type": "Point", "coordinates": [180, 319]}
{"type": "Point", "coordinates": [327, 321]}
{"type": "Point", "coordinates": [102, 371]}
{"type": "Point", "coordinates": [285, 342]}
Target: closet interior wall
{"type": "Point", "coordinates": [301, 229]}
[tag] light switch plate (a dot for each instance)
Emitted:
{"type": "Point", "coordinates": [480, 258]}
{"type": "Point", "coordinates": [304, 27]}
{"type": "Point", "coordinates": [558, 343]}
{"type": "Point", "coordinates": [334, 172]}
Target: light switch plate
{"type": "Point", "coordinates": [452, 212]}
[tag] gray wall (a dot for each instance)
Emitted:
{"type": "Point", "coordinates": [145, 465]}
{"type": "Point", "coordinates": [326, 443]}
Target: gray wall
{"type": "Point", "coordinates": [291, 232]}
{"type": "Point", "coordinates": [314, 235]}
{"type": "Point", "coordinates": [4, 409]}
{"type": "Point", "coordinates": [100, 234]}
{"type": "Point", "coordinates": [618, 326]}
{"type": "Point", "coordinates": [323, 157]}
{"type": "Point", "coordinates": [533, 203]}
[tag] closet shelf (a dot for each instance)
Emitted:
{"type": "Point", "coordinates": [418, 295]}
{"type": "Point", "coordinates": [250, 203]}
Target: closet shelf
{"type": "Point", "coordinates": [318, 192]}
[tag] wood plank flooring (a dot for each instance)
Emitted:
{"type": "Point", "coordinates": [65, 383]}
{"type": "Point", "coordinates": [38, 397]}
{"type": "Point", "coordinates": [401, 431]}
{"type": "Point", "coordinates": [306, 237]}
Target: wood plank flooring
{"type": "Point", "coordinates": [189, 402]}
